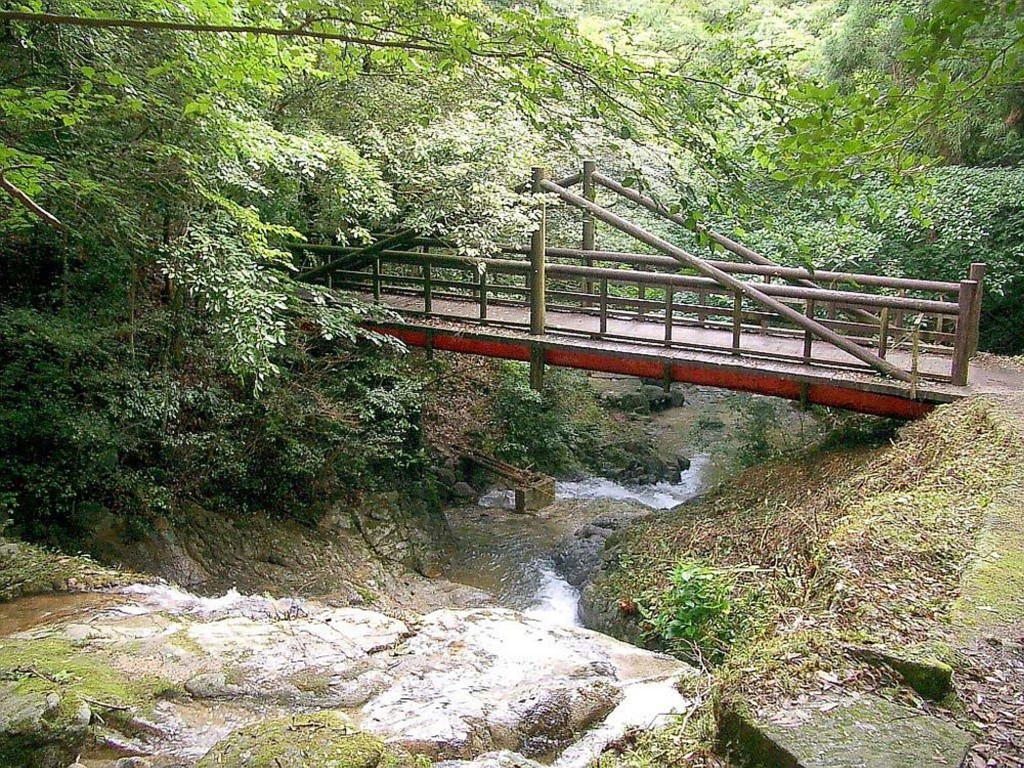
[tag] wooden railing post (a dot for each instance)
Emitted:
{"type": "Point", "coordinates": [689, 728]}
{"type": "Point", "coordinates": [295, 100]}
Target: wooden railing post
{"type": "Point", "coordinates": [538, 247]}
{"type": "Point", "coordinates": [964, 332]}
{"type": "Point", "coordinates": [483, 295]}
{"type": "Point", "coordinates": [883, 333]}
{"type": "Point", "coordinates": [977, 274]}
{"type": "Point", "coordinates": [590, 193]}
{"type": "Point", "coordinates": [669, 298]}
{"type": "Point", "coordinates": [604, 306]}
{"type": "Point", "coordinates": [737, 321]}
{"type": "Point", "coordinates": [376, 280]}
{"type": "Point", "coordinates": [427, 289]}
{"type": "Point", "coordinates": [538, 281]}
{"type": "Point", "coordinates": [808, 336]}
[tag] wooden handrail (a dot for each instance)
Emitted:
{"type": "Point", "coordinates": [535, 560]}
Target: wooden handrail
{"type": "Point", "coordinates": [654, 207]}
{"type": "Point", "coordinates": [787, 301]}
{"type": "Point", "coordinates": [824, 295]}
{"type": "Point", "coordinates": [667, 262]}
{"type": "Point", "coordinates": [813, 278]}
{"type": "Point", "coordinates": [361, 257]}
{"type": "Point", "coordinates": [728, 243]}
{"type": "Point", "coordinates": [569, 181]}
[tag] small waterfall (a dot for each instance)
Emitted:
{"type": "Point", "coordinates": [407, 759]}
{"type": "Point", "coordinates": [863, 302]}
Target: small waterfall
{"type": "Point", "coordinates": [556, 600]}
{"type": "Point", "coordinates": [655, 496]}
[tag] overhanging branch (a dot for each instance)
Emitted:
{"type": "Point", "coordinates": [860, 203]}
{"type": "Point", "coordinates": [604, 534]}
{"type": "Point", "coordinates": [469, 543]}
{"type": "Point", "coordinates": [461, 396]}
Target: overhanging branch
{"type": "Point", "coordinates": [29, 204]}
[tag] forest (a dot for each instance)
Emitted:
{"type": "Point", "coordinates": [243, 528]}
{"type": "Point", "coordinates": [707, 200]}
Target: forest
{"type": "Point", "coordinates": [166, 363]}
{"type": "Point", "coordinates": [152, 176]}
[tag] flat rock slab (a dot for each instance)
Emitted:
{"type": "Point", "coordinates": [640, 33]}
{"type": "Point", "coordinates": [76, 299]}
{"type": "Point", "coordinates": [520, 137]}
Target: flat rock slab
{"type": "Point", "coordinates": [450, 685]}
{"type": "Point", "coordinates": [865, 732]}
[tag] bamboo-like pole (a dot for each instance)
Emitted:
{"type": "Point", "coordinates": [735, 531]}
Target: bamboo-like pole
{"type": "Point", "coordinates": [589, 192]}
{"type": "Point", "coordinates": [728, 243]}
{"type": "Point", "coordinates": [361, 257]}
{"type": "Point", "coordinates": [538, 244]}
{"type": "Point", "coordinates": [726, 280]}
{"type": "Point", "coordinates": [964, 333]}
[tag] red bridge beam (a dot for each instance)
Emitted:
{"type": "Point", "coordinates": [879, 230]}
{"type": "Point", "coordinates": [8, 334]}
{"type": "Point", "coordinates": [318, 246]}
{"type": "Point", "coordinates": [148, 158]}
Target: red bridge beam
{"type": "Point", "coordinates": [776, 385]}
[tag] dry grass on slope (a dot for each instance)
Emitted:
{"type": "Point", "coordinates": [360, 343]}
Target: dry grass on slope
{"type": "Point", "coordinates": [857, 545]}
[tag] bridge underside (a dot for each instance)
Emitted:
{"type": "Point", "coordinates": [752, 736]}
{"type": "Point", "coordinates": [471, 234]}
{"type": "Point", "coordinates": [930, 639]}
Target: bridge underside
{"type": "Point", "coordinates": [850, 390]}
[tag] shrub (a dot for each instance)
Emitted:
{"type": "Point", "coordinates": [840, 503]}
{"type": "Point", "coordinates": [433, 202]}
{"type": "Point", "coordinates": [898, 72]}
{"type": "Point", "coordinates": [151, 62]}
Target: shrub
{"type": "Point", "coordinates": [693, 615]}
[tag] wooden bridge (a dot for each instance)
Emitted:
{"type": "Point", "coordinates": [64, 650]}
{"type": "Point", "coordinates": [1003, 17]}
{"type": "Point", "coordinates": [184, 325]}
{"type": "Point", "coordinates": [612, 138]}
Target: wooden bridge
{"type": "Point", "coordinates": [869, 343]}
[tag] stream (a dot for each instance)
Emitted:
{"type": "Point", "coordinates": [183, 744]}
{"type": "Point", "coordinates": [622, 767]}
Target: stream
{"type": "Point", "coordinates": [513, 556]}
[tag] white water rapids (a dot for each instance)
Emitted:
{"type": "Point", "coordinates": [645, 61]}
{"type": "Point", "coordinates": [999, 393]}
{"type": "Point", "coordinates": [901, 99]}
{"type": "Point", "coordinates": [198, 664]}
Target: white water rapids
{"type": "Point", "coordinates": [556, 600]}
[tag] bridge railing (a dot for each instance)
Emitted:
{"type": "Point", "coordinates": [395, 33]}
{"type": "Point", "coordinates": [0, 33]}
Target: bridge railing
{"type": "Point", "coordinates": [903, 328]}
{"type": "Point", "coordinates": [468, 289]}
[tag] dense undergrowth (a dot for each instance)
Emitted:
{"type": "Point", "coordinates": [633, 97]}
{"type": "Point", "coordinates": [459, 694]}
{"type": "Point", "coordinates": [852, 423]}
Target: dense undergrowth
{"type": "Point", "coordinates": [768, 582]}
{"type": "Point", "coordinates": [117, 403]}
{"type": "Point", "coordinates": [98, 417]}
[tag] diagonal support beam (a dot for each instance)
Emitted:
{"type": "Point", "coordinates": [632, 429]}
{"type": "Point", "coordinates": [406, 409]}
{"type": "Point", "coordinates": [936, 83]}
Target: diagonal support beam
{"type": "Point", "coordinates": [726, 242]}
{"type": "Point", "coordinates": [728, 281]}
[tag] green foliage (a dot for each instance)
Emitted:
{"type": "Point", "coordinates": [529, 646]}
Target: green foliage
{"type": "Point", "coordinates": [538, 427]}
{"type": "Point", "coordinates": [693, 614]}
{"type": "Point", "coordinates": [96, 422]}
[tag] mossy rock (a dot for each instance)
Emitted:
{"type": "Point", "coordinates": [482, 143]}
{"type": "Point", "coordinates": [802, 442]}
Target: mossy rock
{"type": "Point", "coordinates": [27, 569]}
{"type": "Point", "coordinates": [40, 729]}
{"type": "Point", "coordinates": [918, 668]}
{"type": "Point", "coordinates": [48, 690]}
{"type": "Point", "coordinates": [323, 740]}
{"type": "Point", "coordinates": [868, 732]}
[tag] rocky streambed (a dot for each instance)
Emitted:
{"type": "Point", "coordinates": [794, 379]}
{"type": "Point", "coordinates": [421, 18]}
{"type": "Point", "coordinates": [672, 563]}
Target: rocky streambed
{"type": "Point", "coordinates": [489, 666]}
{"type": "Point", "coordinates": [151, 675]}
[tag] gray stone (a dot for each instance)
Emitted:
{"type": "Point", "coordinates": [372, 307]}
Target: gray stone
{"type": "Point", "coordinates": [502, 759]}
{"type": "Point", "coordinates": [133, 762]}
{"type": "Point", "coordinates": [33, 732]}
{"type": "Point", "coordinates": [930, 677]}
{"type": "Point", "coordinates": [23, 713]}
{"type": "Point", "coordinates": [472, 682]}
{"type": "Point", "coordinates": [658, 398]}
{"type": "Point", "coordinates": [580, 555]}
{"type": "Point", "coordinates": [464, 491]}
{"type": "Point", "coordinates": [212, 685]}
{"type": "Point", "coordinates": [631, 402]}
{"type": "Point", "coordinates": [864, 732]}
{"type": "Point", "coordinates": [453, 684]}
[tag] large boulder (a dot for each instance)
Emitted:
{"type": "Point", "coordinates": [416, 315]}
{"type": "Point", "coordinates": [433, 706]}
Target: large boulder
{"type": "Point", "coordinates": [842, 732]}
{"type": "Point", "coordinates": [580, 555]}
{"type": "Point", "coordinates": [482, 681]}
{"type": "Point", "coordinates": [451, 685]}
{"type": "Point", "coordinates": [39, 727]}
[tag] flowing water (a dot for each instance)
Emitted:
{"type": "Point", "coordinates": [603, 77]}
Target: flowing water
{"type": "Point", "coordinates": [511, 555]}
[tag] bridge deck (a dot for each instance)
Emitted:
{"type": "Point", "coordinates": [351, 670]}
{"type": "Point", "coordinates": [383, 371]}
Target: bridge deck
{"type": "Point", "coordinates": [695, 355]}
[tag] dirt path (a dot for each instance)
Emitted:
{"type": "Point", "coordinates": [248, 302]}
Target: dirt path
{"type": "Point", "coordinates": [990, 618]}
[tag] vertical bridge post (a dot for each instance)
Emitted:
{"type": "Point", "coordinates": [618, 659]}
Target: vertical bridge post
{"type": "Point", "coordinates": [538, 279]}
{"type": "Point", "coordinates": [589, 192]}
{"type": "Point", "coordinates": [977, 274]}
{"type": "Point", "coordinates": [964, 331]}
